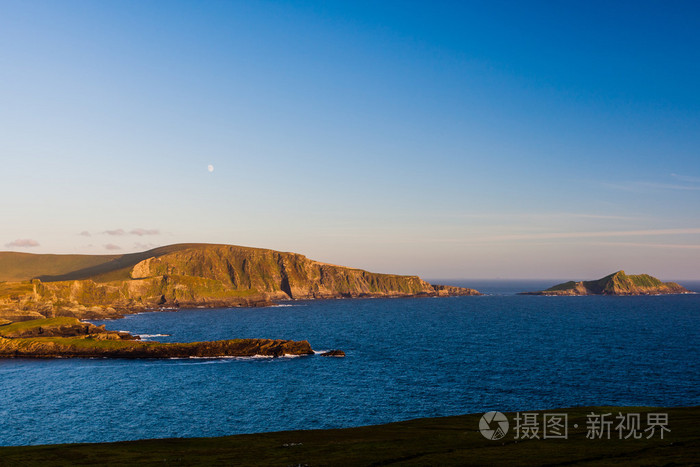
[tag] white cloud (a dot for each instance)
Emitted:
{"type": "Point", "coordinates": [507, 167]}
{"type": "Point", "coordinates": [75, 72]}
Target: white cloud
{"type": "Point", "coordinates": [689, 184]}
{"type": "Point", "coordinates": [618, 233]}
{"type": "Point", "coordinates": [23, 243]}
{"type": "Point", "coordinates": [121, 232]}
{"type": "Point", "coordinates": [572, 235]}
{"type": "Point", "coordinates": [112, 246]}
{"type": "Point", "coordinates": [116, 232]}
{"type": "Point", "coordinates": [685, 178]}
{"type": "Point", "coordinates": [646, 186]}
{"type": "Point", "coordinates": [142, 232]}
{"type": "Point", "coordinates": [675, 246]}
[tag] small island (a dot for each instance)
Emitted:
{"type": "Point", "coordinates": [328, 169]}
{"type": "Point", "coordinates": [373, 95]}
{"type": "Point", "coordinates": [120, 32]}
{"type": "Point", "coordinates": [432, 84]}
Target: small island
{"type": "Point", "coordinates": [66, 337]}
{"type": "Point", "coordinates": [617, 283]}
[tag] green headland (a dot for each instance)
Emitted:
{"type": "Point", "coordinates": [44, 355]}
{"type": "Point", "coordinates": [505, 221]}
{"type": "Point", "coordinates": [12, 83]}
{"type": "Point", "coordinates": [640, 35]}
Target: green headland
{"type": "Point", "coordinates": [184, 275]}
{"type": "Point", "coordinates": [67, 337]}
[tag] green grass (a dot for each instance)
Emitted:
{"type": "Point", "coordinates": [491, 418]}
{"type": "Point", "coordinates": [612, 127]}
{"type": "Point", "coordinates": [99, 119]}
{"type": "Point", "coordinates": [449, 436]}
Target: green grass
{"type": "Point", "coordinates": [84, 343]}
{"type": "Point", "coordinates": [645, 280]}
{"type": "Point", "coordinates": [428, 441]}
{"type": "Point", "coordinates": [118, 267]}
{"type": "Point", "coordinates": [35, 323]}
{"type": "Point", "coordinates": [24, 266]}
{"type": "Point", "coordinates": [564, 286]}
{"type": "Point", "coordinates": [13, 290]}
{"type": "Point", "coordinates": [15, 267]}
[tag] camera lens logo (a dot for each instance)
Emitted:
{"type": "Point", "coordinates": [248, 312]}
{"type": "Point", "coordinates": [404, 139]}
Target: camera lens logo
{"type": "Point", "coordinates": [493, 425]}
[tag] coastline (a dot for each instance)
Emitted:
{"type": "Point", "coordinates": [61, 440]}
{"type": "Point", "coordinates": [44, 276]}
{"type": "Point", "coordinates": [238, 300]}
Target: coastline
{"type": "Point", "coordinates": [72, 338]}
{"type": "Point", "coordinates": [99, 313]}
{"type": "Point", "coordinates": [452, 440]}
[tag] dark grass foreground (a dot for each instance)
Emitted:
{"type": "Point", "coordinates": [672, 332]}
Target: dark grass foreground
{"type": "Point", "coordinates": [429, 441]}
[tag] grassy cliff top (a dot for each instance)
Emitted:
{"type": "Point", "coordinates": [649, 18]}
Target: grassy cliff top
{"type": "Point", "coordinates": [52, 268]}
{"type": "Point", "coordinates": [24, 326]}
{"type": "Point", "coordinates": [24, 266]}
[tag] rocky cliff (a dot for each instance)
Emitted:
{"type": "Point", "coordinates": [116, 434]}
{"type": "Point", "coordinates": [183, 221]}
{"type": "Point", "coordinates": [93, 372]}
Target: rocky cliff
{"type": "Point", "coordinates": [196, 275]}
{"type": "Point", "coordinates": [617, 283]}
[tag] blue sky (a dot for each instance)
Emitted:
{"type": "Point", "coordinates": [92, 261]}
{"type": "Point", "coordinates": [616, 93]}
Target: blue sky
{"type": "Point", "coordinates": [446, 139]}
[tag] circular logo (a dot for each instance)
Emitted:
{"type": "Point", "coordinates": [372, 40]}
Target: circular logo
{"type": "Point", "coordinates": [493, 425]}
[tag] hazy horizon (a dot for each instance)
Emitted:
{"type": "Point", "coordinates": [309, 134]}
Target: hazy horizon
{"type": "Point", "coordinates": [498, 139]}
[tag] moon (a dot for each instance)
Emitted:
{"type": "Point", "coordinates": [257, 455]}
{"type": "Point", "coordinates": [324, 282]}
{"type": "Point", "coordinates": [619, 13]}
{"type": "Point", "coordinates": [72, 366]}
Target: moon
{"type": "Point", "coordinates": [210, 168]}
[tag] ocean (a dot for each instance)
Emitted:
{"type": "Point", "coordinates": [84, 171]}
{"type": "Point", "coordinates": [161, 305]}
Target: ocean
{"type": "Point", "coordinates": [406, 358]}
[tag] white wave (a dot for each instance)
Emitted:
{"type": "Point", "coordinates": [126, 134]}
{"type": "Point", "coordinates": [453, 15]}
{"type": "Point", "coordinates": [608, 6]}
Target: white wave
{"type": "Point", "coordinates": [234, 357]}
{"type": "Point", "coordinates": [224, 357]}
{"type": "Point", "coordinates": [135, 314]}
{"type": "Point", "coordinates": [148, 336]}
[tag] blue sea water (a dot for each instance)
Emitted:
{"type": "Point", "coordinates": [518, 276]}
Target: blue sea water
{"type": "Point", "coordinates": [406, 358]}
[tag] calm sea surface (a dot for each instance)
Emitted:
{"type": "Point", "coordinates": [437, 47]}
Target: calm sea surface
{"type": "Point", "coordinates": [406, 358]}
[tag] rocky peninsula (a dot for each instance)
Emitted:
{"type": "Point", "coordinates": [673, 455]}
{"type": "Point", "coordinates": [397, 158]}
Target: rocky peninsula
{"type": "Point", "coordinates": [68, 337]}
{"type": "Point", "coordinates": [184, 276]}
{"type": "Point", "coordinates": [617, 283]}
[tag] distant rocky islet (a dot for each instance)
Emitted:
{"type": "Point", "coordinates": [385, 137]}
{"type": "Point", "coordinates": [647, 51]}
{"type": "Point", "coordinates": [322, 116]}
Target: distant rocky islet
{"type": "Point", "coordinates": [617, 283]}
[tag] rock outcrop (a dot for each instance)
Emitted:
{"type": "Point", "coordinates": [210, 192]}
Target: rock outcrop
{"type": "Point", "coordinates": [68, 337]}
{"type": "Point", "coordinates": [617, 283]}
{"type": "Point", "coordinates": [60, 327]}
{"type": "Point", "coordinates": [452, 291]}
{"type": "Point", "coordinates": [199, 275]}
{"type": "Point", "coordinates": [333, 353]}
